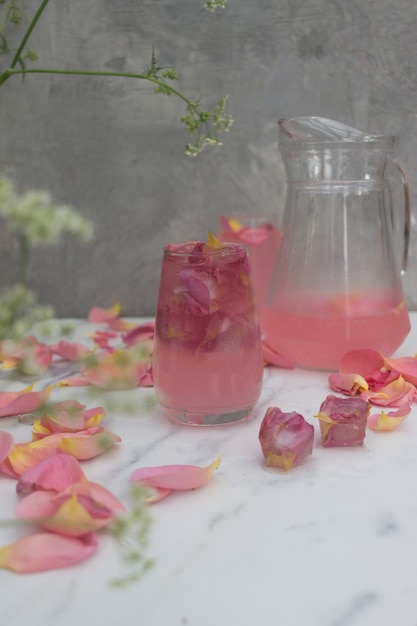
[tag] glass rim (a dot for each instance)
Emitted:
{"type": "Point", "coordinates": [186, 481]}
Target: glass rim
{"type": "Point", "coordinates": [227, 249]}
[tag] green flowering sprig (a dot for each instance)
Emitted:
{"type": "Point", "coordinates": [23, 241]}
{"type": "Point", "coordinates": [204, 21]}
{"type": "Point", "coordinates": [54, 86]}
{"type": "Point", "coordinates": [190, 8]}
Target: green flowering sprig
{"type": "Point", "coordinates": [203, 124]}
{"type": "Point", "coordinates": [131, 532]}
{"type": "Point", "coordinates": [32, 220]}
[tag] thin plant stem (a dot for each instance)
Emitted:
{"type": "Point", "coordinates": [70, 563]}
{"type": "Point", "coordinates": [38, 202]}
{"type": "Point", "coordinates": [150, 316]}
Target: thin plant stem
{"type": "Point", "coordinates": [28, 33]}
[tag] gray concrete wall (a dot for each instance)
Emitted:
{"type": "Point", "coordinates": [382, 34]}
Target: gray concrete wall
{"type": "Point", "coordinates": [115, 150]}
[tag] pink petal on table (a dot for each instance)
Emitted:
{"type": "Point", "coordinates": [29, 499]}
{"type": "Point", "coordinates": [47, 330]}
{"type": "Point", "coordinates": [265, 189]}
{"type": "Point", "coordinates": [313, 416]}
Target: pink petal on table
{"type": "Point", "coordinates": [46, 551]}
{"type": "Point", "coordinates": [86, 445]}
{"type": "Point", "coordinates": [156, 494]}
{"type": "Point", "coordinates": [77, 381]}
{"type": "Point", "coordinates": [23, 456]}
{"type": "Point", "coordinates": [67, 416]}
{"type": "Point", "coordinates": [102, 338]}
{"type": "Point", "coordinates": [175, 477]}
{"type": "Point", "coordinates": [394, 394]}
{"type": "Point", "coordinates": [121, 369]}
{"type": "Point", "coordinates": [381, 378]}
{"type": "Point", "coordinates": [79, 509]}
{"type": "Point", "coordinates": [406, 366]}
{"type": "Point", "coordinates": [139, 333]}
{"type": "Point", "coordinates": [54, 474]}
{"type": "Point", "coordinates": [69, 350]}
{"type": "Point", "coordinates": [389, 421]}
{"type": "Point", "coordinates": [121, 325]}
{"type": "Point", "coordinates": [363, 361]}
{"type": "Point", "coordinates": [98, 315]}
{"type": "Point", "coordinates": [6, 444]}
{"type": "Point", "coordinates": [27, 355]}
{"type": "Point", "coordinates": [349, 384]}
{"type": "Point", "coordinates": [272, 357]}
{"type": "Point", "coordinates": [25, 401]}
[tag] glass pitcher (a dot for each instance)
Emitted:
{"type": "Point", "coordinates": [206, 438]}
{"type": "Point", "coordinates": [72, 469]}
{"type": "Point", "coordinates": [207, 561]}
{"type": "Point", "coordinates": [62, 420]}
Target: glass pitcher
{"type": "Point", "coordinates": [336, 284]}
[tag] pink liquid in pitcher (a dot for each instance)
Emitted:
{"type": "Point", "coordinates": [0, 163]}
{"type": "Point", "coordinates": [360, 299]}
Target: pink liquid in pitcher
{"type": "Point", "coordinates": [207, 356]}
{"type": "Point", "coordinates": [262, 238]}
{"type": "Point", "coordinates": [321, 336]}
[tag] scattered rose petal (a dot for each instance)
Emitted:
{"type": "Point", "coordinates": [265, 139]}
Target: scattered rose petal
{"type": "Point", "coordinates": [394, 394]}
{"type": "Point", "coordinates": [139, 333]}
{"type": "Point", "coordinates": [286, 438]}
{"type": "Point", "coordinates": [67, 416]}
{"type": "Point", "coordinates": [167, 478]}
{"type": "Point", "coordinates": [25, 401]}
{"type": "Point", "coordinates": [363, 362]}
{"type": "Point", "coordinates": [46, 551]}
{"type": "Point", "coordinates": [6, 444]}
{"type": "Point", "coordinates": [98, 315]}
{"type": "Point", "coordinates": [389, 421]}
{"type": "Point", "coordinates": [119, 370]}
{"type": "Point", "coordinates": [52, 474]}
{"type": "Point", "coordinates": [349, 384]}
{"type": "Point", "coordinates": [102, 338]}
{"type": "Point", "coordinates": [343, 421]}
{"type": "Point", "coordinates": [406, 366]}
{"type": "Point", "coordinates": [28, 355]}
{"type": "Point", "coordinates": [79, 509]}
{"type": "Point", "coordinates": [69, 350]}
{"type": "Point", "coordinates": [88, 444]}
{"type": "Point", "coordinates": [83, 445]}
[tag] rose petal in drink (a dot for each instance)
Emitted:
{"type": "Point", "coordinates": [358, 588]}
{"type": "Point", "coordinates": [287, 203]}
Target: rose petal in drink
{"type": "Point", "coordinates": [343, 421]}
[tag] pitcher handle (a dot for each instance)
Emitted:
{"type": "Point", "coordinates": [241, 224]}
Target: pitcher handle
{"type": "Point", "coordinates": [407, 215]}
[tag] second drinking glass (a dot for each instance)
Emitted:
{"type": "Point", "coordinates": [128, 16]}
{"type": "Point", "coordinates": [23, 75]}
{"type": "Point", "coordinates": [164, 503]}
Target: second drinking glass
{"type": "Point", "coordinates": [207, 355]}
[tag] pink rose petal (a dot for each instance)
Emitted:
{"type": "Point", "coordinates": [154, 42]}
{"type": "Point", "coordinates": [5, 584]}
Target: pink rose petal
{"type": "Point", "coordinates": [53, 474]}
{"type": "Point", "coordinates": [389, 421]}
{"type": "Point", "coordinates": [6, 444]}
{"type": "Point", "coordinates": [406, 366]}
{"type": "Point", "coordinates": [69, 350]}
{"type": "Point", "coordinates": [363, 362]}
{"type": "Point", "coordinates": [394, 394]}
{"type": "Point", "coordinates": [98, 315]}
{"type": "Point", "coordinates": [79, 509]}
{"type": "Point", "coordinates": [25, 401]}
{"type": "Point", "coordinates": [139, 333]}
{"type": "Point", "coordinates": [173, 477]}
{"type": "Point", "coordinates": [46, 551]}
{"type": "Point", "coordinates": [349, 384]}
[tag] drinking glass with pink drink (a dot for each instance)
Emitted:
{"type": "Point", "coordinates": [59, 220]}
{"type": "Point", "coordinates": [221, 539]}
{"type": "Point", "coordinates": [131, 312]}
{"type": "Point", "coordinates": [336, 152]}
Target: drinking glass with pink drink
{"type": "Point", "coordinates": [207, 364]}
{"type": "Point", "coordinates": [261, 236]}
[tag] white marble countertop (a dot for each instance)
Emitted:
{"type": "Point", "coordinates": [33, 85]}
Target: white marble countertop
{"type": "Point", "coordinates": [332, 543]}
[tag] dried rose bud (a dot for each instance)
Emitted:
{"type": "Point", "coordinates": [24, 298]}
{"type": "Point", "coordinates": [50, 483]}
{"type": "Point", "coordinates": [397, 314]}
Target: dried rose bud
{"type": "Point", "coordinates": [286, 438]}
{"type": "Point", "coordinates": [343, 421]}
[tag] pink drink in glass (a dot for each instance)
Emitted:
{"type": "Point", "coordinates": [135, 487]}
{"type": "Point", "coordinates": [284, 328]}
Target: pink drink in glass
{"type": "Point", "coordinates": [207, 356]}
{"type": "Point", "coordinates": [320, 336]}
{"type": "Point", "coordinates": [261, 237]}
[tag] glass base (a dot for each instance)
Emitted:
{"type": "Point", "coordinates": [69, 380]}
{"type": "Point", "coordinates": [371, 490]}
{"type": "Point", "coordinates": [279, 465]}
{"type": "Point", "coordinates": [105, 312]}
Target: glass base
{"type": "Point", "coordinates": [193, 418]}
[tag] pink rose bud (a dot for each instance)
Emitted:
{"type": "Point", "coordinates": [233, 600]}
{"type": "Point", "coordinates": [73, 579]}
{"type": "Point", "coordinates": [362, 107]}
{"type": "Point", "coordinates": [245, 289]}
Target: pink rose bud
{"type": "Point", "coordinates": [343, 421]}
{"type": "Point", "coordinates": [286, 438]}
